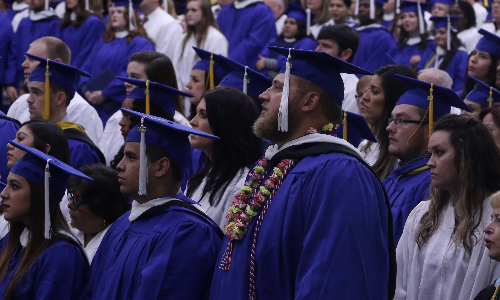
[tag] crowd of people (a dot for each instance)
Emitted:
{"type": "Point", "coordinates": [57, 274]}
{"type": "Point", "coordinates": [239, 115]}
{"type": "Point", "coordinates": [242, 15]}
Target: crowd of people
{"type": "Point", "coordinates": [244, 149]}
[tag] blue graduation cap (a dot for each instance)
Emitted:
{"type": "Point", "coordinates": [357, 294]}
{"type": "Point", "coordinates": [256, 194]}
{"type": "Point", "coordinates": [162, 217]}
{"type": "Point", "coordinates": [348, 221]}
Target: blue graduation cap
{"type": "Point", "coordinates": [418, 8]}
{"type": "Point", "coordinates": [296, 12]}
{"type": "Point", "coordinates": [46, 171]}
{"type": "Point", "coordinates": [318, 67]}
{"type": "Point", "coordinates": [448, 22]}
{"type": "Point", "coordinates": [447, 2]}
{"type": "Point", "coordinates": [159, 94]}
{"type": "Point", "coordinates": [437, 99]}
{"type": "Point", "coordinates": [172, 137]}
{"type": "Point", "coordinates": [354, 129]}
{"type": "Point", "coordinates": [208, 64]}
{"type": "Point", "coordinates": [53, 72]}
{"type": "Point", "coordinates": [483, 94]}
{"type": "Point", "coordinates": [489, 43]}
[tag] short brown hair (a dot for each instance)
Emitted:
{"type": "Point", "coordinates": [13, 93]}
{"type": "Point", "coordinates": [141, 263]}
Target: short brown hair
{"type": "Point", "coordinates": [55, 48]}
{"type": "Point", "coordinates": [329, 108]}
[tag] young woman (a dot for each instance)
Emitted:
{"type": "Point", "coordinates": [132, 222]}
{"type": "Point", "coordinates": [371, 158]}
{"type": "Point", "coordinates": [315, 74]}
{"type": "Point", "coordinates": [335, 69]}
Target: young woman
{"type": "Point", "coordinates": [376, 106]}
{"type": "Point", "coordinates": [95, 205]}
{"type": "Point", "coordinates": [229, 114]}
{"type": "Point", "coordinates": [122, 38]}
{"type": "Point", "coordinates": [466, 25]}
{"type": "Point", "coordinates": [449, 54]}
{"type": "Point", "coordinates": [492, 122]}
{"type": "Point", "coordinates": [339, 12]}
{"type": "Point", "coordinates": [320, 8]}
{"type": "Point", "coordinates": [39, 258]}
{"type": "Point", "coordinates": [80, 30]}
{"type": "Point", "coordinates": [202, 32]}
{"type": "Point", "coordinates": [441, 254]}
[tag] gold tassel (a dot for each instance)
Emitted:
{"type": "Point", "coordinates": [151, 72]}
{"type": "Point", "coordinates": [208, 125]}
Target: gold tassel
{"type": "Point", "coordinates": [344, 129]}
{"type": "Point", "coordinates": [431, 109]}
{"type": "Point", "coordinates": [147, 98]}
{"type": "Point", "coordinates": [211, 71]}
{"type": "Point", "coordinates": [46, 102]}
{"type": "Point", "coordinates": [490, 98]}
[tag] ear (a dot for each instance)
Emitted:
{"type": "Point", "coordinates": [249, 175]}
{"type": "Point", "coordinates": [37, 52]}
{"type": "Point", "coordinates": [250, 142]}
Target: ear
{"type": "Point", "coordinates": [47, 148]}
{"type": "Point", "coordinates": [310, 101]}
{"type": "Point", "coordinates": [58, 60]}
{"type": "Point", "coordinates": [161, 167]}
{"type": "Point", "coordinates": [346, 54]}
{"type": "Point", "coordinates": [60, 99]}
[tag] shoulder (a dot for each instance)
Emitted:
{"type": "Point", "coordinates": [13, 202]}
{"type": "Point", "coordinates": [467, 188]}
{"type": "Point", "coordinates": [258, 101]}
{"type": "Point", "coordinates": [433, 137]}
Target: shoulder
{"type": "Point", "coordinates": [94, 20]}
{"type": "Point", "coordinates": [62, 250]}
{"type": "Point", "coordinates": [140, 40]}
{"type": "Point", "coordinates": [416, 214]}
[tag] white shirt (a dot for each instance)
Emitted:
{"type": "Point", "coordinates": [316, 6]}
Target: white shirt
{"type": "Point", "coordinates": [4, 226]}
{"type": "Point", "coordinates": [220, 210]}
{"type": "Point", "coordinates": [280, 23]}
{"type": "Point", "coordinates": [481, 14]}
{"type": "Point", "coordinates": [350, 83]}
{"type": "Point", "coordinates": [490, 27]}
{"type": "Point", "coordinates": [112, 138]}
{"type": "Point", "coordinates": [469, 38]}
{"type": "Point", "coordinates": [216, 10]}
{"type": "Point", "coordinates": [138, 209]}
{"type": "Point", "coordinates": [441, 270]}
{"type": "Point", "coordinates": [215, 42]}
{"type": "Point", "coordinates": [370, 154]}
{"type": "Point", "coordinates": [164, 30]}
{"type": "Point", "coordinates": [93, 244]}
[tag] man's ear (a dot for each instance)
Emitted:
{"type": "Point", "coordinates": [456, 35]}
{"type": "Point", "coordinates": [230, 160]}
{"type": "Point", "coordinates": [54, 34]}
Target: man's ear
{"type": "Point", "coordinates": [58, 60]}
{"type": "Point", "coordinates": [161, 167]}
{"type": "Point", "coordinates": [310, 101]}
{"type": "Point", "coordinates": [60, 98]}
{"type": "Point", "coordinates": [346, 54]}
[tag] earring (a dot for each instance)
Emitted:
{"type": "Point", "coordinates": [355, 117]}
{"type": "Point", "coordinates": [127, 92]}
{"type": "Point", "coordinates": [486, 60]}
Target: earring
{"type": "Point", "coordinates": [104, 223]}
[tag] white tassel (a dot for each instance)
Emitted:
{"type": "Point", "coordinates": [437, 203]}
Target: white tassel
{"type": "Point", "coordinates": [47, 207]}
{"type": "Point", "coordinates": [421, 25]}
{"type": "Point", "coordinates": [165, 5]}
{"type": "Point", "coordinates": [283, 111]}
{"type": "Point", "coordinates": [398, 10]}
{"type": "Point", "coordinates": [143, 160]}
{"type": "Point", "coordinates": [356, 9]}
{"type": "Point", "coordinates": [132, 24]}
{"type": "Point", "coordinates": [448, 37]}
{"type": "Point", "coordinates": [372, 9]}
{"type": "Point", "coordinates": [87, 6]}
{"type": "Point", "coordinates": [245, 81]}
{"type": "Point", "coordinates": [308, 19]}
{"type": "Point", "coordinates": [46, 4]}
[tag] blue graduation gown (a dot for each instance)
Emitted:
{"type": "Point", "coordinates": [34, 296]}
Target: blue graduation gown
{"type": "Point", "coordinates": [402, 56]}
{"type": "Point", "coordinates": [374, 42]}
{"type": "Point", "coordinates": [305, 43]}
{"type": "Point", "coordinates": [457, 67]}
{"type": "Point", "coordinates": [168, 254]}
{"type": "Point", "coordinates": [8, 131]}
{"type": "Point", "coordinates": [324, 236]}
{"type": "Point", "coordinates": [81, 40]}
{"type": "Point", "coordinates": [59, 273]}
{"type": "Point", "coordinates": [82, 154]}
{"type": "Point", "coordinates": [6, 35]}
{"type": "Point", "coordinates": [248, 31]}
{"type": "Point", "coordinates": [115, 55]}
{"type": "Point", "coordinates": [406, 192]}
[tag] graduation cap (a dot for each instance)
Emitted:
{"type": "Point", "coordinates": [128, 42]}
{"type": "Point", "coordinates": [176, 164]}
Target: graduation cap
{"type": "Point", "coordinates": [418, 8]}
{"type": "Point", "coordinates": [46, 171]}
{"type": "Point", "coordinates": [447, 2]}
{"type": "Point", "coordinates": [207, 64]}
{"type": "Point", "coordinates": [318, 67]}
{"type": "Point", "coordinates": [298, 13]}
{"type": "Point", "coordinates": [354, 129]}
{"type": "Point", "coordinates": [388, 60]}
{"type": "Point", "coordinates": [437, 99]}
{"type": "Point", "coordinates": [448, 22]}
{"type": "Point", "coordinates": [159, 94]}
{"type": "Point", "coordinates": [132, 5]}
{"type": "Point", "coordinates": [483, 94]}
{"type": "Point", "coordinates": [372, 7]}
{"type": "Point", "coordinates": [172, 137]}
{"type": "Point", "coordinates": [53, 72]}
{"type": "Point", "coordinates": [489, 43]}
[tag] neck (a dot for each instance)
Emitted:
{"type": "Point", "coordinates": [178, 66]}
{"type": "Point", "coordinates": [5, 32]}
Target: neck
{"type": "Point", "coordinates": [87, 237]}
{"type": "Point", "coordinates": [454, 196]}
{"type": "Point", "coordinates": [342, 21]}
{"type": "Point", "coordinates": [413, 34]}
{"type": "Point", "coordinates": [158, 190]}
{"type": "Point", "coordinates": [57, 116]}
{"type": "Point", "coordinates": [301, 130]}
{"type": "Point", "coordinates": [38, 9]}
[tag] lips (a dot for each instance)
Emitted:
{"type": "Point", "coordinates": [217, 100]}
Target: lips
{"type": "Point", "coordinates": [488, 243]}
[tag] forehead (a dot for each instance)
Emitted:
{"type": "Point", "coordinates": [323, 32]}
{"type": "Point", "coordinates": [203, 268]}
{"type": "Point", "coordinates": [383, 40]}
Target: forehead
{"type": "Point", "coordinates": [197, 73]}
{"type": "Point", "coordinates": [36, 84]}
{"type": "Point", "coordinates": [38, 49]}
{"type": "Point", "coordinates": [406, 109]}
{"type": "Point", "coordinates": [440, 138]}
{"type": "Point", "coordinates": [132, 147]}
{"type": "Point", "coordinates": [337, 2]}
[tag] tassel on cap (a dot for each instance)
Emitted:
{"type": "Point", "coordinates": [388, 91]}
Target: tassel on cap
{"type": "Point", "coordinates": [398, 10]}
{"type": "Point", "coordinates": [421, 23]}
{"type": "Point", "coordinates": [165, 5]}
{"type": "Point", "coordinates": [87, 6]}
{"type": "Point", "coordinates": [356, 9]}
{"type": "Point", "coordinates": [448, 37]}
{"type": "Point", "coordinates": [147, 97]}
{"type": "Point", "coordinates": [46, 4]}
{"type": "Point", "coordinates": [283, 111]}
{"type": "Point", "coordinates": [245, 81]}
{"type": "Point", "coordinates": [431, 109]}
{"type": "Point", "coordinates": [210, 80]}
{"type": "Point", "coordinates": [143, 160]}
{"type": "Point", "coordinates": [372, 9]}
{"type": "Point", "coordinates": [132, 23]}
{"type": "Point", "coordinates": [46, 99]}
{"type": "Point", "coordinates": [490, 98]}
{"type": "Point", "coordinates": [46, 231]}
{"type": "Point", "coordinates": [344, 128]}
{"type": "Point", "coordinates": [308, 25]}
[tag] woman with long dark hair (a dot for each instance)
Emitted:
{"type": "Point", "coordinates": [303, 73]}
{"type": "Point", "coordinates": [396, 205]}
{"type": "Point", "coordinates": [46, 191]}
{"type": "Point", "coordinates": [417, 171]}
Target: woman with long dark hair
{"type": "Point", "coordinates": [441, 254]}
{"type": "Point", "coordinates": [229, 114]}
{"type": "Point", "coordinates": [466, 25]}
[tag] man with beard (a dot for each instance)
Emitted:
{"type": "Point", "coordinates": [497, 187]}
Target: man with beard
{"type": "Point", "coordinates": [312, 220]}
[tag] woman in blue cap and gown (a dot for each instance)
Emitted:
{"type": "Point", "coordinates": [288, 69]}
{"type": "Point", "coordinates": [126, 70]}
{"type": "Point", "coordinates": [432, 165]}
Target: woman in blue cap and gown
{"type": "Point", "coordinates": [123, 37]}
{"type": "Point", "coordinates": [481, 97]}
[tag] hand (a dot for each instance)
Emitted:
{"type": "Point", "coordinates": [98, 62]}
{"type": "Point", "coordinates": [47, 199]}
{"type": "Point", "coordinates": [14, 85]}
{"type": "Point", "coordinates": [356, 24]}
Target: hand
{"type": "Point", "coordinates": [414, 60]}
{"type": "Point", "coordinates": [95, 97]}
{"type": "Point", "coordinates": [260, 63]}
{"type": "Point", "coordinates": [12, 94]}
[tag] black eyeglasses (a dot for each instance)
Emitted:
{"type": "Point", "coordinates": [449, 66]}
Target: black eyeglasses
{"type": "Point", "coordinates": [76, 201]}
{"type": "Point", "coordinates": [402, 123]}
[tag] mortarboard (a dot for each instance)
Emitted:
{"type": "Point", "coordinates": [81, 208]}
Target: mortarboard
{"type": "Point", "coordinates": [372, 7]}
{"type": "Point", "coordinates": [447, 2]}
{"type": "Point", "coordinates": [354, 129]}
{"type": "Point", "coordinates": [318, 67]}
{"type": "Point", "coordinates": [489, 43]}
{"type": "Point", "coordinates": [483, 94]}
{"type": "Point", "coordinates": [172, 137]}
{"type": "Point", "coordinates": [208, 64]}
{"type": "Point", "coordinates": [436, 98]}
{"type": "Point", "coordinates": [159, 94]}
{"type": "Point", "coordinates": [298, 13]}
{"type": "Point", "coordinates": [418, 8]}
{"type": "Point", "coordinates": [448, 22]}
{"type": "Point", "coordinates": [46, 171]}
{"type": "Point", "coordinates": [132, 5]}
{"type": "Point", "coordinates": [53, 72]}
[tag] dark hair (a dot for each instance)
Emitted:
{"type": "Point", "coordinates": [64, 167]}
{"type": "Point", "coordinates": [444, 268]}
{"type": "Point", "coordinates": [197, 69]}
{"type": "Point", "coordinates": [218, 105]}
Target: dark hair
{"type": "Point", "coordinates": [404, 37]}
{"type": "Point", "coordinates": [343, 35]}
{"type": "Point", "coordinates": [483, 114]}
{"type": "Point", "coordinates": [469, 14]}
{"type": "Point", "coordinates": [102, 194]}
{"type": "Point", "coordinates": [81, 15]}
{"type": "Point", "coordinates": [54, 89]}
{"type": "Point", "coordinates": [347, 3]}
{"type": "Point", "coordinates": [231, 115]}
{"type": "Point", "coordinates": [140, 106]}
{"type": "Point", "coordinates": [454, 45]}
{"type": "Point", "coordinates": [492, 75]}
{"type": "Point", "coordinates": [48, 132]}
{"type": "Point", "coordinates": [155, 153]}
{"type": "Point", "coordinates": [302, 31]}
{"type": "Point", "coordinates": [330, 110]}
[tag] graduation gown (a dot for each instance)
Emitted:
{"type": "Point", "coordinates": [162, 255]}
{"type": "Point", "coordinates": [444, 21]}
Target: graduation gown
{"type": "Point", "coordinates": [164, 30]}
{"type": "Point", "coordinates": [115, 55]}
{"type": "Point", "coordinates": [324, 236]}
{"type": "Point", "coordinates": [6, 36]}
{"type": "Point", "coordinates": [248, 26]}
{"type": "Point", "coordinates": [374, 42]}
{"type": "Point", "coordinates": [305, 43]}
{"type": "Point", "coordinates": [81, 40]}
{"type": "Point", "coordinates": [402, 56]}
{"type": "Point", "coordinates": [8, 130]}
{"type": "Point", "coordinates": [165, 253]}
{"type": "Point", "coordinates": [406, 187]}
{"type": "Point", "coordinates": [59, 273]}
{"type": "Point", "coordinates": [440, 270]}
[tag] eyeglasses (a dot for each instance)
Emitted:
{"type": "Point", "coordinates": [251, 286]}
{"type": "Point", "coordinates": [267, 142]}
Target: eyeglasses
{"type": "Point", "coordinates": [76, 201]}
{"type": "Point", "coordinates": [400, 123]}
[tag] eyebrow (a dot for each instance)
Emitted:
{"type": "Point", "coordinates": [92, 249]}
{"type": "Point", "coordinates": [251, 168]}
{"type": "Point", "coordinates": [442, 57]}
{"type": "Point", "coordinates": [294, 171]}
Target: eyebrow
{"type": "Point", "coordinates": [35, 89]}
{"type": "Point", "coordinates": [14, 181]}
{"type": "Point", "coordinates": [130, 153]}
{"type": "Point", "coordinates": [402, 114]}
{"type": "Point", "coordinates": [276, 81]}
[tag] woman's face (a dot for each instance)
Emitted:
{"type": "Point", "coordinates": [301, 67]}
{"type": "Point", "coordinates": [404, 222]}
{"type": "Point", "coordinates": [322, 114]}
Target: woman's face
{"type": "Point", "coordinates": [125, 121]}
{"type": "Point", "coordinates": [196, 85]}
{"type": "Point", "coordinates": [443, 173]}
{"type": "Point", "coordinates": [200, 122]}
{"type": "Point", "coordinates": [440, 36]}
{"type": "Point", "coordinates": [410, 22]}
{"type": "Point", "coordinates": [475, 107]}
{"type": "Point", "coordinates": [71, 4]}
{"type": "Point", "coordinates": [16, 199]}
{"type": "Point", "coordinates": [118, 20]}
{"type": "Point", "coordinates": [193, 13]}
{"type": "Point", "coordinates": [440, 10]}
{"type": "Point", "coordinates": [479, 65]}
{"type": "Point", "coordinates": [371, 104]}
{"type": "Point", "coordinates": [82, 218]}
{"type": "Point", "coordinates": [135, 70]}
{"type": "Point", "coordinates": [492, 127]}
{"type": "Point", "coordinates": [290, 29]}
{"type": "Point", "coordinates": [455, 10]}
{"type": "Point", "coordinates": [23, 136]}
{"type": "Point", "coordinates": [314, 5]}
{"type": "Point", "coordinates": [492, 238]}
{"type": "Point", "coordinates": [338, 11]}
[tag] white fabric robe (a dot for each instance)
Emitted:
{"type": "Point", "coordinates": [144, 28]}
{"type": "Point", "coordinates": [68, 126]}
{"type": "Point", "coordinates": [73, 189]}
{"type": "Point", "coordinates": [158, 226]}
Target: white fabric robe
{"type": "Point", "coordinates": [469, 38]}
{"type": "Point", "coordinates": [350, 83]}
{"type": "Point", "coordinates": [164, 30]}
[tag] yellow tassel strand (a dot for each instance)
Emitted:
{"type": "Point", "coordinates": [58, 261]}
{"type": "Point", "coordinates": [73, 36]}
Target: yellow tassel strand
{"type": "Point", "coordinates": [147, 98]}
{"type": "Point", "coordinates": [490, 98]}
{"type": "Point", "coordinates": [46, 102]}
{"type": "Point", "coordinates": [344, 129]}
{"type": "Point", "coordinates": [211, 73]}
{"type": "Point", "coordinates": [431, 109]}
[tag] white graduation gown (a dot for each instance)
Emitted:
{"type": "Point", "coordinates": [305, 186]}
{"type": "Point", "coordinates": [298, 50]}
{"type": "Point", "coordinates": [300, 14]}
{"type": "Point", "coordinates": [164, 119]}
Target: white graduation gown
{"type": "Point", "coordinates": [481, 14]}
{"type": "Point", "coordinates": [164, 30]}
{"type": "Point", "coordinates": [469, 38]}
{"type": "Point", "coordinates": [112, 138]}
{"type": "Point", "coordinates": [490, 27]}
{"type": "Point", "coordinates": [350, 83]}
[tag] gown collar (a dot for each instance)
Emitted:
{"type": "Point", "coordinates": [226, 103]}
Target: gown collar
{"type": "Point", "coordinates": [44, 14]}
{"type": "Point", "coordinates": [242, 4]}
{"type": "Point", "coordinates": [23, 239]}
{"type": "Point", "coordinates": [138, 209]}
{"type": "Point", "coordinates": [121, 34]}
{"type": "Point", "coordinates": [19, 6]}
{"type": "Point", "coordinates": [290, 40]}
{"type": "Point", "coordinates": [373, 25]}
{"type": "Point", "coordinates": [414, 40]}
